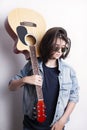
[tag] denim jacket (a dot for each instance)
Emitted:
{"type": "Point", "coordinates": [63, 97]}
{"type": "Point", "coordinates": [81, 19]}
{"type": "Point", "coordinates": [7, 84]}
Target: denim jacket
{"type": "Point", "coordinates": [68, 89]}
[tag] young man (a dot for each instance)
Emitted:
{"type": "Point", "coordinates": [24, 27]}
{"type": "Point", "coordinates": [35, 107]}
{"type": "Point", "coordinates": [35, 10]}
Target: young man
{"type": "Point", "coordinates": [58, 81]}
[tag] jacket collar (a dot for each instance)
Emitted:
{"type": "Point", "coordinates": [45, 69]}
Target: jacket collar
{"type": "Point", "coordinates": [60, 65]}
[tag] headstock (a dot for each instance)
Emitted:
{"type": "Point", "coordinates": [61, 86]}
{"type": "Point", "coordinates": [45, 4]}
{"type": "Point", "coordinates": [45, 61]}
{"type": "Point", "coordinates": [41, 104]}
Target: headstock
{"type": "Point", "coordinates": [41, 111]}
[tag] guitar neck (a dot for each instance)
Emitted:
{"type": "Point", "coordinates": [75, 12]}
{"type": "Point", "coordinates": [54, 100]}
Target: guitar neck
{"type": "Point", "coordinates": [35, 71]}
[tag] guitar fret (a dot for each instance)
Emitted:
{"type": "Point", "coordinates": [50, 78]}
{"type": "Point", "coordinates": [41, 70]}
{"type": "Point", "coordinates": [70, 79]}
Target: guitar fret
{"type": "Point", "coordinates": [35, 70]}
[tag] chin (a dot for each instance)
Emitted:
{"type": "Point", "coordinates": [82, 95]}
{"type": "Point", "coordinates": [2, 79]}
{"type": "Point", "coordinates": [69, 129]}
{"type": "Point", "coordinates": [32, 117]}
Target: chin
{"type": "Point", "coordinates": [55, 58]}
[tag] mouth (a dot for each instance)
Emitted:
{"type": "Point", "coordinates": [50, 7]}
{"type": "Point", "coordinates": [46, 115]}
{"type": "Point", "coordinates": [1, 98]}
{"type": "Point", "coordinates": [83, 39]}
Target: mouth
{"type": "Point", "coordinates": [57, 55]}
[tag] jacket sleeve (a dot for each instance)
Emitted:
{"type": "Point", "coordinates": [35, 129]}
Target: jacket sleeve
{"type": "Point", "coordinates": [22, 73]}
{"type": "Point", "coordinates": [74, 92]}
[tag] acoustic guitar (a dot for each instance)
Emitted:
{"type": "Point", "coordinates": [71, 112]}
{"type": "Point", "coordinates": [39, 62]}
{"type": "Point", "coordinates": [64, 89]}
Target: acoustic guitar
{"type": "Point", "coordinates": [27, 27]}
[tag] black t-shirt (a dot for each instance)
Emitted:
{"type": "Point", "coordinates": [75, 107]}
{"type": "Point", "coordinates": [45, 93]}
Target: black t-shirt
{"type": "Point", "coordinates": [50, 93]}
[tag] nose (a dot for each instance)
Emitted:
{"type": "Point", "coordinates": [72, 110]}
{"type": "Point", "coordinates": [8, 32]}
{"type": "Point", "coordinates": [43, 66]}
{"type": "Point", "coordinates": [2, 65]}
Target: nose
{"type": "Point", "coordinates": [60, 50]}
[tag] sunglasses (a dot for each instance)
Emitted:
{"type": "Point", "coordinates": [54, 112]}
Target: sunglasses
{"type": "Point", "coordinates": [63, 49]}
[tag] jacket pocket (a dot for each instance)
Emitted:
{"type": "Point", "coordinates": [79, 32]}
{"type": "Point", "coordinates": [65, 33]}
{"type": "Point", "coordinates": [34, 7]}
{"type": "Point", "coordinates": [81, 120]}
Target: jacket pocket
{"type": "Point", "coordinates": [65, 89]}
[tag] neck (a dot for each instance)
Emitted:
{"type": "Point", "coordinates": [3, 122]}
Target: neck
{"type": "Point", "coordinates": [51, 63]}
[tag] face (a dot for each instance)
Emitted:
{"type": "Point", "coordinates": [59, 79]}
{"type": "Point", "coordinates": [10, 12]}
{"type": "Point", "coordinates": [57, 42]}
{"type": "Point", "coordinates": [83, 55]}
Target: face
{"type": "Point", "coordinates": [59, 49]}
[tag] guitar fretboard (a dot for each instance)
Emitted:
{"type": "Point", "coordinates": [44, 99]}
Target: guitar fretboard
{"type": "Point", "coordinates": [35, 70]}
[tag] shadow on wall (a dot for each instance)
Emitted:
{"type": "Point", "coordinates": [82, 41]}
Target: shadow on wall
{"type": "Point", "coordinates": [10, 102]}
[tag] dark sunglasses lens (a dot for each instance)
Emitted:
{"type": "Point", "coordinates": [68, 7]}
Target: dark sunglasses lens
{"type": "Point", "coordinates": [63, 49]}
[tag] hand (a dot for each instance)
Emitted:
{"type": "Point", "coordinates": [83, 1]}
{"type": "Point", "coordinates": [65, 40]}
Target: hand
{"type": "Point", "coordinates": [33, 79]}
{"type": "Point", "coordinates": [59, 125]}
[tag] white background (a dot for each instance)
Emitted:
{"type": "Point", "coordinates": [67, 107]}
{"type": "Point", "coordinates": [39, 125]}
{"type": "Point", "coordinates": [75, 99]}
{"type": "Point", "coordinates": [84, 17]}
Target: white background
{"type": "Point", "coordinates": [70, 14]}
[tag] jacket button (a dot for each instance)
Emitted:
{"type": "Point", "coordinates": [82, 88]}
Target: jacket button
{"type": "Point", "coordinates": [59, 102]}
{"type": "Point", "coordinates": [61, 77]}
{"type": "Point", "coordinates": [56, 115]}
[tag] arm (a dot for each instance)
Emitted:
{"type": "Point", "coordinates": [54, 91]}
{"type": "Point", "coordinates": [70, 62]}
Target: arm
{"type": "Point", "coordinates": [68, 111]}
{"type": "Point", "coordinates": [61, 123]}
{"type": "Point", "coordinates": [34, 80]}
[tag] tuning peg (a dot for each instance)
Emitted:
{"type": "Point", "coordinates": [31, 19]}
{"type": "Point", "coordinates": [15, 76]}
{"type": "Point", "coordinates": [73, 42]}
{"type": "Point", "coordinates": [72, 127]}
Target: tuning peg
{"type": "Point", "coordinates": [39, 115]}
{"type": "Point", "coordinates": [34, 112]}
{"type": "Point", "coordinates": [34, 108]}
{"type": "Point", "coordinates": [34, 117]}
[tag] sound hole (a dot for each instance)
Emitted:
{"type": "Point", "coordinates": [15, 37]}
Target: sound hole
{"type": "Point", "coordinates": [30, 40]}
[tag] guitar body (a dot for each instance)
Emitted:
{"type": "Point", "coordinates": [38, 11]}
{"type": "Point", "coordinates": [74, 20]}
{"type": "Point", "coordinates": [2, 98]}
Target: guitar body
{"type": "Point", "coordinates": [27, 27]}
{"type": "Point", "coordinates": [18, 31]}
